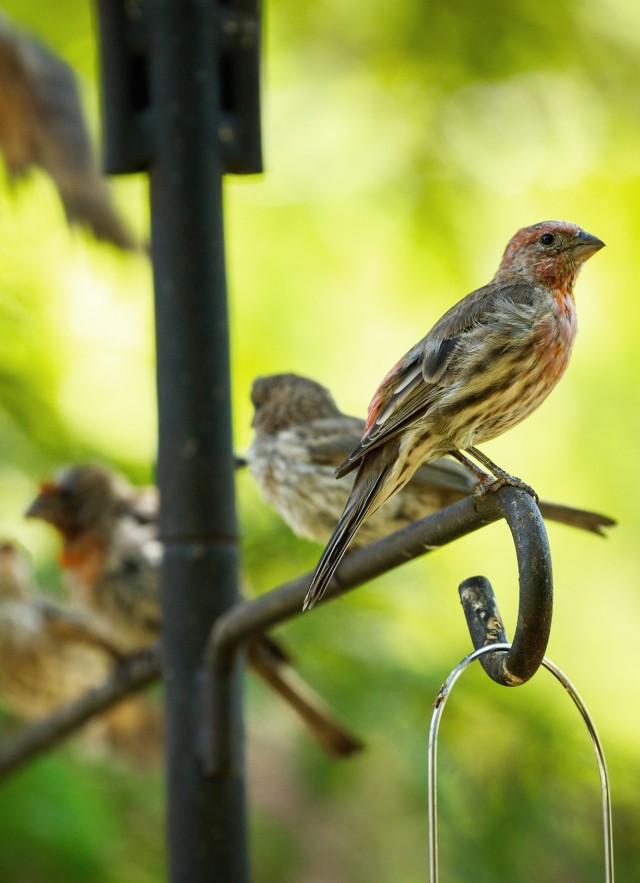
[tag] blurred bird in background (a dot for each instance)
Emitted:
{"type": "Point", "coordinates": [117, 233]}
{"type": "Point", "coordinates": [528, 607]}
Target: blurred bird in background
{"type": "Point", "coordinates": [110, 555]}
{"type": "Point", "coordinates": [42, 125]}
{"type": "Point", "coordinates": [51, 656]}
{"type": "Point", "coordinates": [301, 436]}
{"type": "Point", "coordinates": [110, 560]}
{"type": "Point", "coordinates": [488, 363]}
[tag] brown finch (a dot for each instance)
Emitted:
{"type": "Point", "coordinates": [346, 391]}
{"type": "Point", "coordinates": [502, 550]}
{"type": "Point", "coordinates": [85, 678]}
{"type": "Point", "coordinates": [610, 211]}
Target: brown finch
{"type": "Point", "coordinates": [110, 555]}
{"type": "Point", "coordinates": [300, 438]}
{"type": "Point", "coordinates": [46, 659]}
{"type": "Point", "coordinates": [484, 366]}
{"type": "Point", "coordinates": [111, 558]}
{"type": "Point", "coordinates": [42, 124]}
{"type": "Point", "coordinates": [50, 656]}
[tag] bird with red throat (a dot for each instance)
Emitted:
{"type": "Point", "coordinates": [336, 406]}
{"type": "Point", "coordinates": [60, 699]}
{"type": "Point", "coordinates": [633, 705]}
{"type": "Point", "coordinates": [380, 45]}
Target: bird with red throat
{"type": "Point", "coordinates": [490, 361]}
{"type": "Point", "coordinates": [301, 436]}
{"type": "Point", "coordinates": [110, 560]}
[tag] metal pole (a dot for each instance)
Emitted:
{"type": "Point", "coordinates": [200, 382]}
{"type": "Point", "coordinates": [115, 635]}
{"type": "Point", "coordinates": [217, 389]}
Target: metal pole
{"type": "Point", "coordinates": [206, 815]}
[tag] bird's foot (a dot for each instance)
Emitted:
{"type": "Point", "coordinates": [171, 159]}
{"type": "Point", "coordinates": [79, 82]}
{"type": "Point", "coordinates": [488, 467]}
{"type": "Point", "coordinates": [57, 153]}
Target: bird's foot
{"type": "Point", "coordinates": [491, 485]}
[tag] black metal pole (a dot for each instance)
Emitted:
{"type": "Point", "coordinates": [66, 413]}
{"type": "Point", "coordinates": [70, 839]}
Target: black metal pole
{"type": "Point", "coordinates": [206, 815]}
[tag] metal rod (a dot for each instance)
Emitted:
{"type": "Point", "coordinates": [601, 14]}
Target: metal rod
{"type": "Point", "coordinates": [134, 673]}
{"type": "Point", "coordinates": [360, 566]}
{"type": "Point", "coordinates": [600, 760]}
{"type": "Point", "coordinates": [234, 627]}
{"type": "Point", "coordinates": [206, 815]}
{"type": "Point", "coordinates": [441, 699]}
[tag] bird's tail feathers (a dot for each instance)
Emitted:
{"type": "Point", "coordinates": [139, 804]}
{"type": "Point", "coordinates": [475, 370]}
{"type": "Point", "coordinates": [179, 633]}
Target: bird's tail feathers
{"type": "Point", "coordinates": [591, 521]}
{"type": "Point", "coordinates": [357, 509]}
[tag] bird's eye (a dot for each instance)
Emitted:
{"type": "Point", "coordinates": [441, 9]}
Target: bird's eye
{"type": "Point", "coordinates": [547, 239]}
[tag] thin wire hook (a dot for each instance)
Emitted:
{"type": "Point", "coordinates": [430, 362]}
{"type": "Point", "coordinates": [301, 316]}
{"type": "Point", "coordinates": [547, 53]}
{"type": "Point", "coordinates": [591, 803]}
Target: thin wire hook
{"type": "Point", "coordinates": [439, 704]}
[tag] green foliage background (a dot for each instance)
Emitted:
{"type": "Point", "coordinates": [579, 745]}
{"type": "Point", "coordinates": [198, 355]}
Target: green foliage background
{"type": "Point", "coordinates": [405, 143]}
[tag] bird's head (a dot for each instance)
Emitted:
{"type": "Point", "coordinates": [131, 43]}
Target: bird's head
{"type": "Point", "coordinates": [80, 498]}
{"type": "Point", "coordinates": [550, 253]}
{"type": "Point", "coordinates": [285, 400]}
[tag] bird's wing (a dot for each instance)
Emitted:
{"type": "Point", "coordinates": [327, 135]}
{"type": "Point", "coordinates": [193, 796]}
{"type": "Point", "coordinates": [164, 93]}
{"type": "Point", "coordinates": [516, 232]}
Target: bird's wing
{"type": "Point", "coordinates": [129, 582]}
{"type": "Point", "coordinates": [443, 474]}
{"type": "Point", "coordinates": [328, 441]}
{"type": "Point", "coordinates": [143, 504]}
{"type": "Point", "coordinates": [412, 385]}
{"type": "Point", "coordinates": [42, 124]}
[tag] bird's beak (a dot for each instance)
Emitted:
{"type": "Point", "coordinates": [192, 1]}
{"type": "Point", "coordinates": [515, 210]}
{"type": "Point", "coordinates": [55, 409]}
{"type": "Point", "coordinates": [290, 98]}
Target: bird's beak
{"type": "Point", "coordinates": [585, 244]}
{"type": "Point", "coordinates": [34, 509]}
{"type": "Point", "coordinates": [39, 508]}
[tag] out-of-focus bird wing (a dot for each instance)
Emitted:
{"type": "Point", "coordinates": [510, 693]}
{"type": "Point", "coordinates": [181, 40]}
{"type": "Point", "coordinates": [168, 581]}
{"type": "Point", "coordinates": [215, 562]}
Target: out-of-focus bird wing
{"type": "Point", "coordinates": [443, 474]}
{"type": "Point", "coordinates": [143, 504]}
{"type": "Point", "coordinates": [126, 593]}
{"type": "Point", "coordinates": [64, 624]}
{"type": "Point", "coordinates": [42, 124]}
{"type": "Point", "coordinates": [329, 440]}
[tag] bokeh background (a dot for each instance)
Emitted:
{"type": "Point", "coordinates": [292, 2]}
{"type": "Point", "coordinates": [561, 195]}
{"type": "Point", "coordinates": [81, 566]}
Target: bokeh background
{"type": "Point", "coordinates": [405, 142]}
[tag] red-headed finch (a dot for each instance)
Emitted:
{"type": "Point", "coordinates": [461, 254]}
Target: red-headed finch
{"type": "Point", "coordinates": [111, 559]}
{"type": "Point", "coordinates": [110, 555]}
{"type": "Point", "coordinates": [484, 366]}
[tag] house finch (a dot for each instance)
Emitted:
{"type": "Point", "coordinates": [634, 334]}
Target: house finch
{"type": "Point", "coordinates": [483, 367]}
{"type": "Point", "coordinates": [43, 664]}
{"type": "Point", "coordinates": [301, 436]}
{"type": "Point", "coordinates": [111, 559]}
{"type": "Point", "coordinates": [103, 533]}
{"type": "Point", "coordinates": [42, 124]}
{"type": "Point", "coordinates": [50, 656]}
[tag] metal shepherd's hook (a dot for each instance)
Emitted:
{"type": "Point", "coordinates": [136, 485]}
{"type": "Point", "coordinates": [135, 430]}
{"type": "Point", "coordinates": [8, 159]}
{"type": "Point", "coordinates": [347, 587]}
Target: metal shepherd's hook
{"type": "Point", "coordinates": [535, 604]}
{"type": "Point", "coordinates": [513, 664]}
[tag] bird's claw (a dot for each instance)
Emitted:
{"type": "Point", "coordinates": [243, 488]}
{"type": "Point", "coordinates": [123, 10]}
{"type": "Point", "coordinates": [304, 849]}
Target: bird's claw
{"type": "Point", "coordinates": [491, 485]}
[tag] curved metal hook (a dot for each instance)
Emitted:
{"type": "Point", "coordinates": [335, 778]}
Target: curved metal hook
{"type": "Point", "coordinates": [536, 594]}
{"type": "Point", "coordinates": [502, 650]}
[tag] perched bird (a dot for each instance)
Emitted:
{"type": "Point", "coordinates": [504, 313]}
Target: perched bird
{"type": "Point", "coordinates": [42, 125]}
{"type": "Point", "coordinates": [45, 658]}
{"type": "Point", "coordinates": [483, 367]}
{"type": "Point", "coordinates": [110, 560]}
{"type": "Point", "coordinates": [50, 656]}
{"type": "Point", "coordinates": [96, 513]}
{"type": "Point", "coordinates": [300, 438]}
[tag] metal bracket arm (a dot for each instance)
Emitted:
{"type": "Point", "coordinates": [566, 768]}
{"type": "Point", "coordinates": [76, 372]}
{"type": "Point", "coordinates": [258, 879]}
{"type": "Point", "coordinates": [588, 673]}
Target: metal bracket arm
{"type": "Point", "coordinates": [234, 627]}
